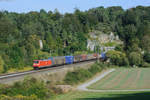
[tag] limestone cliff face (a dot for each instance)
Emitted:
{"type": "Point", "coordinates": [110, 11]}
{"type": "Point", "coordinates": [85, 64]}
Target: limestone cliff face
{"type": "Point", "coordinates": [41, 44]}
{"type": "Point", "coordinates": [97, 38]}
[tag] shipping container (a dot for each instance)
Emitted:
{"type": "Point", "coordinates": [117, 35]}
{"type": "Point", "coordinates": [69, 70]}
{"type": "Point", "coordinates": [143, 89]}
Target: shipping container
{"type": "Point", "coordinates": [69, 59]}
{"type": "Point", "coordinates": [95, 55]}
{"type": "Point", "coordinates": [83, 57]}
{"type": "Point", "coordinates": [103, 55]}
{"type": "Point", "coordinates": [60, 60]}
{"type": "Point", "coordinates": [77, 58]}
{"type": "Point", "coordinates": [90, 56]}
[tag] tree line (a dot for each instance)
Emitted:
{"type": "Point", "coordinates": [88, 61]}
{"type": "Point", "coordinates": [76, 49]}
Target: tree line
{"type": "Point", "coordinates": [65, 34]}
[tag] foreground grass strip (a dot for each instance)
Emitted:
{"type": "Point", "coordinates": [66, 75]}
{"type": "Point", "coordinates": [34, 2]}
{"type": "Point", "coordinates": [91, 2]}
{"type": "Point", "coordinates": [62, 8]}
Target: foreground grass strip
{"type": "Point", "coordinates": [78, 95]}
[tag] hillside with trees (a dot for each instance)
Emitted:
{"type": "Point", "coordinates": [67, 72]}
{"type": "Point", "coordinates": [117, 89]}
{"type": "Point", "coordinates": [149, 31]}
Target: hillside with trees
{"type": "Point", "coordinates": [65, 34]}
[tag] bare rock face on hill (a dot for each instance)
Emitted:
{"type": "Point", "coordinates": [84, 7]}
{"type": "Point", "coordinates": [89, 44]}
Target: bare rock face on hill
{"type": "Point", "coordinates": [102, 40]}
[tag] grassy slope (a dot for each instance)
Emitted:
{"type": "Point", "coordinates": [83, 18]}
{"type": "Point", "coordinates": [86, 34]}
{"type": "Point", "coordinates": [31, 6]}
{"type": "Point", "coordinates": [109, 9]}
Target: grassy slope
{"type": "Point", "coordinates": [130, 78]}
{"type": "Point", "coordinates": [104, 96]}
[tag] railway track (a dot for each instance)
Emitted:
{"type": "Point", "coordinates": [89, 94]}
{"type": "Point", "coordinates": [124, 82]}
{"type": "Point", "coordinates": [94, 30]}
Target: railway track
{"type": "Point", "coordinates": [21, 74]}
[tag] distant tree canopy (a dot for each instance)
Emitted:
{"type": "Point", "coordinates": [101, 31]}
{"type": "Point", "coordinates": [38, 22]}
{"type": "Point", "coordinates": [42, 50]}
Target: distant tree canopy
{"type": "Point", "coordinates": [64, 34]}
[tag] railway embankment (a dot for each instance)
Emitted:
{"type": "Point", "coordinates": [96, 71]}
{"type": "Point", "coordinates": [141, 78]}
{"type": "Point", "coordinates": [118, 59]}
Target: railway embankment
{"type": "Point", "coordinates": [53, 75]}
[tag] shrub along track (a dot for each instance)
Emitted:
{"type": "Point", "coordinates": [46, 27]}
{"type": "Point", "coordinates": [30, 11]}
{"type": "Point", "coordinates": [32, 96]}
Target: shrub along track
{"type": "Point", "coordinates": [123, 84]}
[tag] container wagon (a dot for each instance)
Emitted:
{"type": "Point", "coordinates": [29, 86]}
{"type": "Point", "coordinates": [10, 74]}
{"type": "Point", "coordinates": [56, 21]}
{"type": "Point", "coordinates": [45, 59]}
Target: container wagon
{"type": "Point", "coordinates": [69, 59]}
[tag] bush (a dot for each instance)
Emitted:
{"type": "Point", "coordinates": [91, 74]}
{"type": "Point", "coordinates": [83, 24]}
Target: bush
{"type": "Point", "coordinates": [119, 48]}
{"type": "Point", "coordinates": [145, 64]}
{"type": "Point", "coordinates": [95, 68]}
{"type": "Point", "coordinates": [135, 58]}
{"type": "Point", "coordinates": [29, 87]}
{"type": "Point", "coordinates": [5, 68]}
{"type": "Point", "coordinates": [1, 65]}
{"type": "Point", "coordinates": [110, 44]}
{"type": "Point", "coordinates": [19, 97]}
{"type": "Point", "coordinates": [77, 76]}
{"type": "Point", "coordinates": [117, 58]}
{"type": "Point", "coordinates": [80, 52]}
{"type": "Point", "coordinates": [82, 74]}
{"type": "Point", "coordinates": [147, 57]}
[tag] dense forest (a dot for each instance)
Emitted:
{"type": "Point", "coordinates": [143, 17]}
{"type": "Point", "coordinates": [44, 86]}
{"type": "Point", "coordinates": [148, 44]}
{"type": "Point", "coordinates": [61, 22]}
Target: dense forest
{"type": "Point", "coordinates": [64, 34]}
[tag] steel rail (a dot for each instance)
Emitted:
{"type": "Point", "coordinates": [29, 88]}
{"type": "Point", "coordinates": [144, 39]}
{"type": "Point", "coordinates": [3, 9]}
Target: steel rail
{"type": "Point", "coordinates": [4, 76]}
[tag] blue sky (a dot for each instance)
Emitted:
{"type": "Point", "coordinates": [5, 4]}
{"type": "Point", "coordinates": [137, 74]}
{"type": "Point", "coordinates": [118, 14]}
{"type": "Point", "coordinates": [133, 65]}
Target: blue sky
{"type": "Point", "coordinates": [66, 5]}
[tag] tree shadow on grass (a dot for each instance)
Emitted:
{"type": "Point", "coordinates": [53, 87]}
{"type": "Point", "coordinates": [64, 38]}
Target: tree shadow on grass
{"type": "Point", "coordinates": [136, 96]}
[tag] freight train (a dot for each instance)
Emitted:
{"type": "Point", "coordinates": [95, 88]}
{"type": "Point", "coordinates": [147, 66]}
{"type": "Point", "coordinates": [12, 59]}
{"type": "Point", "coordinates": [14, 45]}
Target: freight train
{"type": "Point", "coordinates": [61, 60]}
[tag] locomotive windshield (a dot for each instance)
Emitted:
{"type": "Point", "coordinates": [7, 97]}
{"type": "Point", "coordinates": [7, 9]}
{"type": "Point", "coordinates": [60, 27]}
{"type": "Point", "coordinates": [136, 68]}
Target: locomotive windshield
{"type": "Point", "coordinates": [36, 62]}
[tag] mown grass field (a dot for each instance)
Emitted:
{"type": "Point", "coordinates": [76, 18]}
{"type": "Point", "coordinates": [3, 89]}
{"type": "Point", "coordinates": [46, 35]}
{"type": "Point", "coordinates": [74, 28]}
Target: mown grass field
{"type": "Point", "coordinates": [124, 79]}
{"type": "Point", "coordinates": [104, 96]}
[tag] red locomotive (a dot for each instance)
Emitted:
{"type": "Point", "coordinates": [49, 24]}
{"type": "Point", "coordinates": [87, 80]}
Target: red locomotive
{"type": "Point", "coordinates": [42, 63]}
